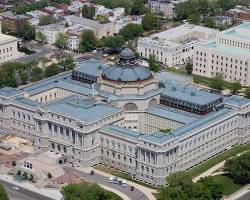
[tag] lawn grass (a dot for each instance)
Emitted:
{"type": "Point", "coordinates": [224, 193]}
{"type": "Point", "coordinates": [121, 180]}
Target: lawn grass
{"type": "Point", "coordinates": [113, 196]}
{"type": "Point", "coordinates": [207, 81]}
{"type": "Point", "coordinates": [181, 70]}
{"type": "Point", "coordinates": [121, 174]}
{"type": "Point", "coordinates": [199, 169]}
{"type": "Point", "coordinates": [227, 183]}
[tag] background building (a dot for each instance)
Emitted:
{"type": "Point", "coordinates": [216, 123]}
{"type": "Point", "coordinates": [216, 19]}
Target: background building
{"type": "Point", "coordinates": [174, 46]}
{"type": "Point", "coordinates": [166, 7]}
{"type": "Point", "coordinates": [228, 55]}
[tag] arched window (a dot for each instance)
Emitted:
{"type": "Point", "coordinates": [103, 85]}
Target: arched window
{"type": "Point", "coordinates": [152, 103]}
{"type": "Point", "coordinates": [130, 106]}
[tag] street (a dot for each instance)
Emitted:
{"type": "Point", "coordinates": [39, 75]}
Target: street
{"type": "Point", "coordinates": [245, 196]}
{"type": "Point", "coordinates": [135, 195]}
{"type": "Point", "coordinates": [22, 194]}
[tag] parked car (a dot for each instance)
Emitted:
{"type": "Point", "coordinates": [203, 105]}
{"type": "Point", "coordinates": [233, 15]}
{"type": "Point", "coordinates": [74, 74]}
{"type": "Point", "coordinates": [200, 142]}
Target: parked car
{"type": "Point", "coordinates": [132, 188]}
{"type": "Point", "coordinates": [124, 183]}
{"type": "Point", "coordinates": [111, 179]}
{"type": "Point", "coordinates": [120, 182]}
{"type": "Point", "coordinates": [92, 172]}
{"type": "Point", "coordinates": [115, 180]}
{"type": "Point", "coordinates": [15, 188]}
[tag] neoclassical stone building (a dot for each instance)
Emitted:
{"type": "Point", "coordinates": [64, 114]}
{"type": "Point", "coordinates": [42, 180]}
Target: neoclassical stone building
{"type": "Point", "coordinates": [113, 115]}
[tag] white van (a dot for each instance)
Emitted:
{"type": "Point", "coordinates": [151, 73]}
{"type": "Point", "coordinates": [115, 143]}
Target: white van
{"type": "Point", "coordinates": [111, 179]}
{"type": "Point", "coordinates": [124, 183]}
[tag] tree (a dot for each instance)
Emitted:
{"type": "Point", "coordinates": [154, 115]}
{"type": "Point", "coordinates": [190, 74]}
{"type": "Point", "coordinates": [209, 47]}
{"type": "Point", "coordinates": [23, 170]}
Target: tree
{"type": "Point", "coordinates": [235, 87]}
{"type": "Point", "coordinates": [114, 42]}
{"type": "Point", "coordinates": [61, 40]}
{"type": "Point", "coordinates": [179, 179]}
{"type": "Point", "coordinates": [189, 68]}
{"type": "Point", "coordinates": [36, 74]}
{"type": "Point", "coordinates": [87, 41]}
{"type": "Point", "coordinates": [150, 21]}
{"type": "Point", "coordinates": [247, 92]}
{"type": "Point", "coordinates": [239, 168]}
{"type": "Point", "coordinates": [226, 4]}
{"type": "Point", "coordinates": [27, 31]}
{"type": "Point", "coordinates": [24, 77]}
{"type": "Point", "coordinates": [51, 70]}
{"type": "Point", "coordinates": [130, 31]}
{"type": "Point", "coordinates": [215, 189]}
{"type": "Point", "coordinates": [41, 37]}
{"type": "Point", "coordinates": [8, 74]}
{"type": "Point", "coordinates": [5, 29]}
{"type": "Point", "coordinates": [49, 175]}
{"type": "Point", "coordinates": [198, 191]}
{"type": "Point", "coordinates": [209, 22]}
{"type": "Point", "coordinates": [137, 8]}
{"type": "Point", "coordinates": [88, 12]}
{"type": "Point", "coordinates": [217, 83]}
{"type": "Point", "coordinates": [194, 18]}
{"type": "Point", "coordinates": [3, 193]}
{"type": "Point", "coordinates": [172, 193]}
{"type": "Point", "coordinates": [67, 62]}
{"type": "Point", "coordinates": [153, 64]}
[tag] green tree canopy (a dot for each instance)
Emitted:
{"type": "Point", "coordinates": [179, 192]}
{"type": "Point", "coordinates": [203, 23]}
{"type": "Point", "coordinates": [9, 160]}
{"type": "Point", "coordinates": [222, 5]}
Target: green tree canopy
{"type": "Point", "coordinates": [51, 70]}
{"type": "Point", "coordinates": [88, 41]}
{"type": "Point", "coordinates": [3, 194]}
{"type": "Point", "coordinates": [61, 40]}
{"type": "Point", "coordinates": [194, 18]}
{"type": "Point", "coordinates": [40, 37]}
{"type": "Point", "coordinates": [150, 21]}
{"type": "Point", "coordinates": [215, 189]}
{"type": "Point", "coordinates": [172, 193]}
{"type": "Point", "coordinates": [138, 8]}
{"type": "Point", "coordinates": [8, 75]}
{"type": "Point", "coordinates": [88, 12]}
{"type": "Point", "coordinates": [189, 68]}
{"type": "Point", "coordinates": [235, 87]}
{"type": "Point", "coordinates": [67, 62]}
{"type": "Point", "coordinates": [179, 179]}
{"type": "Point", "coordinates": [209, 22]}
{"type": "Point", "coordinates": [27, 31]}
{"type": "Point", "coordinates": [247, 92]}
{"type": "Point", "coordinates": [114, 41]}
{"type": "Point", "coordinates": [153, 63]}
{"type": "Point", "coordinates": [36, 74]}
{"type": "Point", "coordinates": [239, 168]}
{"type": "Point", "coordinates": [217, 83]}
{"type": "Point", "coordinates": [130, 31]}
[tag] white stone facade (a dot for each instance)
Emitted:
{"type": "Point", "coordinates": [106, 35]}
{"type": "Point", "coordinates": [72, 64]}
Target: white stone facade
{"type": "Point", "coordinates": [228, 55]}
{"type": "Point", "coordinates": [174, 46]}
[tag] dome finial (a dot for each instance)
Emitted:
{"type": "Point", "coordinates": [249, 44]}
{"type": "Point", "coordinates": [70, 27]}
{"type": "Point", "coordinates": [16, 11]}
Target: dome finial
{"type": "Point", "coordinates": [127, 54]}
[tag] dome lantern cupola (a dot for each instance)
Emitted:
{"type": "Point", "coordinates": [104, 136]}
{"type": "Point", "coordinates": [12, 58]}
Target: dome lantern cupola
{"type": "Point", "coordinates": [127, 69]}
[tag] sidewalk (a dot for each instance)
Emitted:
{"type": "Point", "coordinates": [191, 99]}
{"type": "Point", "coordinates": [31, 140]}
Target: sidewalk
{"type": "Point", "coordinates": [209, 171]}
{"type": "Point", "coordinates": [148, 192]}
{"type": "Point", "coordinates": [51, 193]}
{"type": "Point", "coordinates": [239, 193]}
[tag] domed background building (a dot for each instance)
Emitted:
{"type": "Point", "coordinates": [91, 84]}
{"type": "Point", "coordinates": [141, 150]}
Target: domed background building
{"type": "Point", "coordinates": [132, 85]}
